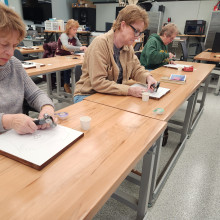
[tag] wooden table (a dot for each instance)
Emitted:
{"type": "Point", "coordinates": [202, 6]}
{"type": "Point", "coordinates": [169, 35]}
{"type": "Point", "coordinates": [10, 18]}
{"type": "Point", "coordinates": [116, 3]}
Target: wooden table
{"type": "Point", "coordinates": [36, 49]}
{"type": "Point", "coordinates": [170, 103]}
{"type": "Point", "coordinates": [77, 183]}
{"type": "Point", "coordinates": [206, 56]}
{"type": "Point", "coordinates": [56, 64]}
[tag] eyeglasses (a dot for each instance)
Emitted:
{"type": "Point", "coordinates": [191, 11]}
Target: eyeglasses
{"type": "Point", "coordinates": [136, 32]}
{"type": "Point", "coordinates": [74, 29]}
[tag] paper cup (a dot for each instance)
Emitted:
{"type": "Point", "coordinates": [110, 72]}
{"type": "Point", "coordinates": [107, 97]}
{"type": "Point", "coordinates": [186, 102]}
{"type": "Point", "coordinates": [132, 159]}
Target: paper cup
{"type": "Point", "coordinates": [37, 65]}
{"type": "Point", "coordinates": [85, 122]}
{"type": "Point", "coordinates": [145, 96]}
{"type": "Point", "coordinates": [179, 69]}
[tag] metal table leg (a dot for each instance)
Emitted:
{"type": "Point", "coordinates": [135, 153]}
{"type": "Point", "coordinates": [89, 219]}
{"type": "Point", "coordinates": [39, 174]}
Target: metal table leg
{"type": "Point", "coordinates": [146, 179]}
{"type": "Point", "coordinates": [155, 189]}
{"type": "Point", "coordinates": [49, 85]}
{"type": "Point", "coordinates": [155, 169]}
{"type": "Point", "coordinates": [73, 81]}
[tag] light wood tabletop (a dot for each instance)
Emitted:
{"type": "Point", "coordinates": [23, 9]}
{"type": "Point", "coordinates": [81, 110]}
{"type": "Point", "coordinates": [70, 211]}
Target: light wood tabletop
{"type": "Point", "coordinates": [53, 64]}
{"type": "Point", "coordinates": [208, 56]}
{"type": "Point", "coordinates": [36, 49]}
{"type": "Point", "coordinates": [190, 35]}
{"type": "Point", "coordinates": [200, 71]}
{"type": "Point", "coordinates": [77, 183]}
{"type": "Point", "coordinates": [50, 31]}
{"type": "Point", "coordinates": [170, 102]}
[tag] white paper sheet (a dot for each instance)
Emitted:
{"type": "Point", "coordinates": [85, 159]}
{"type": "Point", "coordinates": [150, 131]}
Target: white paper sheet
{"type": "Point", "coordinates": [176, 66]}
{"type": "Point", "coordinates": [160, 92]}
{"type": "Point", "coordinates": [28, 64]}
{"type": "Point", "coordinates": [39, 147]}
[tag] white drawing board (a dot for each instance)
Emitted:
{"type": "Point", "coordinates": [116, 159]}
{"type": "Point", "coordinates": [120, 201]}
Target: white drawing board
{"type": "Point", "coordinates": [40, 148]}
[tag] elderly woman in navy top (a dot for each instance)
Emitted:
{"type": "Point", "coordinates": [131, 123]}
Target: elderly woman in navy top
{"type": "Point", "coordinates": [15, 84]}
{"type": "Point", "coordinates": [68, 43]}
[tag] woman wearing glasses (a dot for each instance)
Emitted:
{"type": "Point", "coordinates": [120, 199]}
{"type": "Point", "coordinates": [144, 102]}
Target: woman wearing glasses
{"type": "Point", "coordinates": [110, 61]}
{"type": "Point", "coordinates": [67, 44]}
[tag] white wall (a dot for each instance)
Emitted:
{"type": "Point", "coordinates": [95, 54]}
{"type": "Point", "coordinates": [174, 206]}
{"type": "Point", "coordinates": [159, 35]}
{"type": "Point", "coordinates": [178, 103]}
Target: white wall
{"type": "Point", "coordinates": [16, 5]}
{"type": "Point", "coordinates": [62, 9]}
{"type": "Point", "coordinates": [179, 11]}
{"type": "Point", "coordinates": [105, 13]}
{"type": "Point", "coordinates": [188, 10]}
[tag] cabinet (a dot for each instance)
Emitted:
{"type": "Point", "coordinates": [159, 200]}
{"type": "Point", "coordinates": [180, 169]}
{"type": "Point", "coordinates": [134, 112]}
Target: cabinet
{"type": "Point", "coordinates": [85, 16]}
{"type": "Point", "coordinates": [155, 21]}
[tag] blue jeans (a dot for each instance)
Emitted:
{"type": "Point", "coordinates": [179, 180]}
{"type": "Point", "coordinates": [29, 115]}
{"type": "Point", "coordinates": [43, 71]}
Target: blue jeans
{"type": "Point", "coordinates": [79, 98]}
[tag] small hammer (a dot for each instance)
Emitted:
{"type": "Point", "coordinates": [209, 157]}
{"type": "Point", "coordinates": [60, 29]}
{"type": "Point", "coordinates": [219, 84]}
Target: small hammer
{"type": "Point", "coordinates": [47, 119]}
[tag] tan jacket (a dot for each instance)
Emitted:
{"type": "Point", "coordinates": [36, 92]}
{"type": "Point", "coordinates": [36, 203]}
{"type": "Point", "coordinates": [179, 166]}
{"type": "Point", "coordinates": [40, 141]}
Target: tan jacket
{"type": "Point", "coordinates": [100, 71]}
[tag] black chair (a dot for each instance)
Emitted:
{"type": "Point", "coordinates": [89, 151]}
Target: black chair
{"type": "Point", "coordinates": [138, 54]}
{"type": "Point", "coordinates": [146, 36]}
{"type": "Point", "coordinates": [19, 55]}
{"type": "Point", "coordinates": [108, 26]}
{"type": "Point", "coordinates": [184, 50]}
{"type": "Point", "coordinates": [78, 72]}
{"type": "Point", "coordinates": [137, 46]}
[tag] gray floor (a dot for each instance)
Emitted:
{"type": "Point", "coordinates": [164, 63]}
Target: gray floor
{"type": "Point", "coordinates": [192, 190]}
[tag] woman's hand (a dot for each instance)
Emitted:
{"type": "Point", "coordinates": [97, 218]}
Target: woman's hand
{"type": "Point", "coordinates": [21, 123]}
{"type": "Point", "coordinates": [171, 56]}
{"type": "Point", "coordinates": [46, 109]}
{"type": "Point", "coordinates": [172, 62]}
{"type": "Point", "coordinates": [150, 82]}
{"type": "Point", "coordinates": [136, 91]}
{"type": "Point", "coordinates": [84, 48]}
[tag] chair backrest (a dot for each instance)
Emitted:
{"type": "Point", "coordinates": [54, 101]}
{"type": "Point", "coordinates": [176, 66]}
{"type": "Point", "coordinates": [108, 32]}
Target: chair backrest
{"type": "Point", "coordinates": [146, 36]}
{"type": "Point", "coordinates": [18, 55]}
{"type": "Point", "coordinates": [216, 43]}
{"type": "Point", "coordinates": [137, 46]}
{"type": "Point", "coordinates": [108, 26]}
{"type": "Point", "coordinates": [78, 72]}
{"type": "Point", "coordinates": [49, 49]}
{"type": "Point", "coordinates": [138, 54]}
{"type": "Point", "coordinates": [184, 50]}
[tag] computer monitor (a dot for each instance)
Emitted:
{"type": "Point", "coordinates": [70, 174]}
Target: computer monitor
{"type": "Point", "coordinates": [216, 43]}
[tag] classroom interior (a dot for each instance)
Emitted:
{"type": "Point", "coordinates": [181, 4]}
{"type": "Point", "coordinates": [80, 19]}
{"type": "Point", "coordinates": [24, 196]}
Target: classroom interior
{"type": "Point", "coordinates": [191, 189]}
